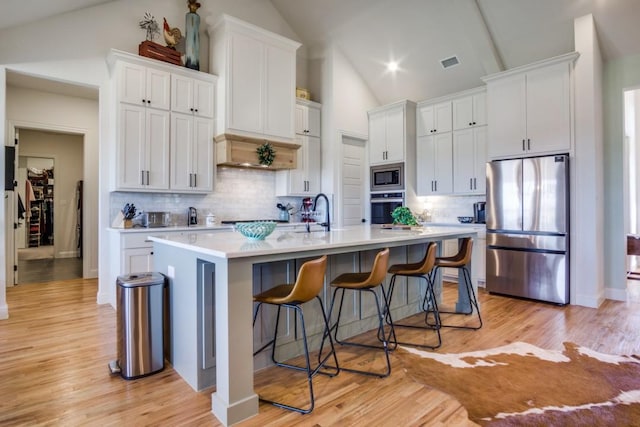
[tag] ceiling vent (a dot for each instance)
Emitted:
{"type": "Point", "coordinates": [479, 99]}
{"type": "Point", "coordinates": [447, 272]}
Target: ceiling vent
{"type": "Point", "coordinates": [449, 62]}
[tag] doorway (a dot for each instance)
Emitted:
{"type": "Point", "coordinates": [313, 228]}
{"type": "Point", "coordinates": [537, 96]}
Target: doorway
{"type": "Point", "coordinates": [353, 180]}
{"type": "Point", "coordinates": [632, 187]}
{"type": "Point", "coordinates": [49, 168]}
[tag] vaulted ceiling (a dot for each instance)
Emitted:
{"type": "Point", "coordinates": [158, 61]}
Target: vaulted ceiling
{"type": "Point", "coordinates": [485, 35]}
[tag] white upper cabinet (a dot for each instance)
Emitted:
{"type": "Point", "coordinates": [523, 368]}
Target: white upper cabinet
{"type": "Point", "coordinates": [192, 165]}
{"type": "Point", "coordinates": [307, 118]}
{"type": "Point", "coordinates": [192, 96]}
{"type": "Point", "coordinates": [470, 111]}
{"type": "Point", "coordinates": [469, 160]}
{"type": "Point", "coordinates": [529, 109]}
{"type": "Point", "coordinates": [164, 126]}
{"type": "Point", "coordinates": [257, 71]}
{"type": "Point", "coordinates": [141, 85]}
{"type": "Point", "coordinates": [433, 118]}
{"type": "Point", "coordinates": [305, 179]}
{"type": "Point", "coordinates": [435, 170]}
{"type": "Point", "coordinates": [390, 132]}
{"type": "Point", "coordinates": [143, 148]}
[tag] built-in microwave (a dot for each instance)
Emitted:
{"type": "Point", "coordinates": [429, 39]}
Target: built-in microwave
{"type": "Point", "coordinates": [387, 177]}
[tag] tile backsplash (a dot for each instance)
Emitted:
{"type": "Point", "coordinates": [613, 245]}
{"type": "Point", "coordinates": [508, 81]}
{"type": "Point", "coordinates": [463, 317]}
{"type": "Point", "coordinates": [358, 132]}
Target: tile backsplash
{"type": "Point", "coordinates": [447, 209]}
{"type": "Point", "coordinates": [239, 194]}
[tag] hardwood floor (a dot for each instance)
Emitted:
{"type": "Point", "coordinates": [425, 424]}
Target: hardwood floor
{"type": "Point", "coordinates": [55, 348]}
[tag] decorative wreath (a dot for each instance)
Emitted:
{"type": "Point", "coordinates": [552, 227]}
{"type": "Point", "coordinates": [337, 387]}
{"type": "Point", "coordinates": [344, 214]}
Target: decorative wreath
{"type": "Point", "coordinates": [266, 154]}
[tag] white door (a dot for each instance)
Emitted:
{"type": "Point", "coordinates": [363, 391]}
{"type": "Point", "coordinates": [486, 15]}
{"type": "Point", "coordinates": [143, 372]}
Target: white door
{"type": "Point", "coordinates": [353, 167]}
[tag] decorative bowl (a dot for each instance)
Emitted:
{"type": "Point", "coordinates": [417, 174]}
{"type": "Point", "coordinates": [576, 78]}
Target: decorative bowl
{"type": "Point", "coordinates": [256, 230]}
{"type": "Point", "coordinates": [465, 219]}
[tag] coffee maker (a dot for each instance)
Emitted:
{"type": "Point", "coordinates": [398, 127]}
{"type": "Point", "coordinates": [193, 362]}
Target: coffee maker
{"type": "Point", "coordinates": [479, 212]}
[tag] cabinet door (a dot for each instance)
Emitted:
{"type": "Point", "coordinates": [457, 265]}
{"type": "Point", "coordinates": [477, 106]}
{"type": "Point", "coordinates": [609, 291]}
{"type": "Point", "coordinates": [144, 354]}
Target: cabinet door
{"type": "Point", "coordinates": [158, 89]}
{"type": "Point", "coordinates": [313, 164]}
{"type": "Point", "coordinates": [463, 161]}
{"type": "Point", "coordinates": [506, 116]}
{"type": "Point", "coordinates": [279, 92]}
{"type": "Point", "coordinates": [203, 149]}
{"type": "Point", "coordinates": [313, 121]}
{"type": "Point", "coordinates": [131, 146]}
{"type": "Point", "coordinates": [443, 158]}
{"type": "Point", "coordinates": [425, 123]}
{"type": "Point", "coordinates": [203, 98]}
{"type": "Point", "coordinates": [480, 109]}
{"type": "Point", "coordinates": [442, 117]}
{"type": "Point", "coordinates": [137, 260]}
{"type": "Point", "coordinates": [301, 119]}
{"type": "Point", "coordinates": [181, 94]}
{"type": "Point", "coordinates": [548, 109]}
{"type": "Point", "coordinates": [463, 113]}
{"type": "Point", "coordinates": [181, 151]}
{"type": "Point", "coordinates": [394, 135]}
{"type": "Point", "coordinates": [377, 138]}
{"type": "Point", "coordinates": [424, 165]}
{"type": "Point", "coordinates": [132, 84]}
{"type": "Point", "coordinates": [480, 159]}
{"type": "Point", "coordinates": [469, 160]}
{"type": "Point", "coordinates": [297, 177]}
{"type": "Point", "coordinates": [157, 149]}
{"type": "Point", "coordinates": [245, 75]}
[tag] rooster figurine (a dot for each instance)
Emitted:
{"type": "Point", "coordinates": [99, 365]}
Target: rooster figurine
{"type": "Point", "coordinates": [172, 36]}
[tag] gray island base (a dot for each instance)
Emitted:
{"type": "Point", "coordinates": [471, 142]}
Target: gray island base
{"type": "Point", "coordinates": [212, 280]}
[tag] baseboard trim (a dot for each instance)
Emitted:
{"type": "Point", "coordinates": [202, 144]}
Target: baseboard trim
{"type": "Point", "coordinates": [4, 312]}
{"type": "Point", "coordinates": [615, 294]}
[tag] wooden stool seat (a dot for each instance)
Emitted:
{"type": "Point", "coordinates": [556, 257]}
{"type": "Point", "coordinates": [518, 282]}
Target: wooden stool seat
{"type": "Point", "coordinates": [307, 287]}
{"type": "Point", "coordinates": [420, 270]}
{"type": "Point", "coordinates": [365, 282]}
{"type": "Point", "coordinates": [460, 260]}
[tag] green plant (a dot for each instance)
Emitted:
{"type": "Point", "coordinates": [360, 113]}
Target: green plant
{"type": "Point", "coordinates": [266, 154]}
{"type": "Point", "coordinates": [403, 215]}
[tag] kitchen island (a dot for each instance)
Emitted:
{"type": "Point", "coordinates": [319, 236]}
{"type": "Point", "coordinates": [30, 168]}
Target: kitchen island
{"type": "Point", "coordinates": [211, 284]}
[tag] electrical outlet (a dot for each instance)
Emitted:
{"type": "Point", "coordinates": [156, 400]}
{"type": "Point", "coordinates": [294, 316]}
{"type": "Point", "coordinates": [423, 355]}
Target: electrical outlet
{"type": "Point", "coordinates": [171, 271]}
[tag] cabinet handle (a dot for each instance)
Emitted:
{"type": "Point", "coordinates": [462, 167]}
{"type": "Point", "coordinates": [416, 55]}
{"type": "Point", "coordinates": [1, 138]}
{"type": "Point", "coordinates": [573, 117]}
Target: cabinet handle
{"type": "Point", "coordinates": [470, 183]}
{"type": "Point", "coordinates": [474, 123]}
{"type": "Point", "coordinates": [528, 144]}
{"type": "Point", "coordinates": [141, 177]}
{"type": "Point", "coordinates": [470, 123]}
{"type": "Point", "coordinates": [523, 149]}
{"type": "Point", "coordinates": [191, 109]}
{"type": "Point", "coordinates": [147, 177]}
{"type": "Point", "coordinates": [436, 183]}
{"type": "Point", "coordinates": [475, 186]}
{"type": "Point", "coordinates": [195, 179]}
{"type": "Point", "coordinates": [148, 101]}
{"type": "Point", "coordinates": [151, 253]}
{"type": "Point", "coordinates": [196, 110]}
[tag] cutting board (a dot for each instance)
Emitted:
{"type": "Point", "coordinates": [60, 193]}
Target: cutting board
{"type": "Point", "coordinates": [396, 227]}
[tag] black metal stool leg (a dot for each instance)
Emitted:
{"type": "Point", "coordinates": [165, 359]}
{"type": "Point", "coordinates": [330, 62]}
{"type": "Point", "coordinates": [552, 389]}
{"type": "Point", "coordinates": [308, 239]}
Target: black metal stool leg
{"type": "Point", "coordinates": [473, 301]}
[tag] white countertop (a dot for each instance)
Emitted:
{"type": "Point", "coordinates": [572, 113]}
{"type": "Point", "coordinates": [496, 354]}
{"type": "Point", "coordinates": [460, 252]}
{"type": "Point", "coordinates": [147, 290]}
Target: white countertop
{"type": "Point", "coordinates": [231, 244]}
{"type": "Point", "coordinates": [198, 228]}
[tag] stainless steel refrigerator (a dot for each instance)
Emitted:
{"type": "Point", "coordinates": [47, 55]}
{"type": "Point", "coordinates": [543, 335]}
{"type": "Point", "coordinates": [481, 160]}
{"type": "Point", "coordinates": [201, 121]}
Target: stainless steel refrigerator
{"type": "Point", "coordinates": [528, 228]}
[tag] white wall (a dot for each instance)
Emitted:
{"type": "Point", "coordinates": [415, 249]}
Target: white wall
{"type": "Point", "coordinates": [67, 154]}
{"type": "Point", "coordinates": [587, 230]}
{"type": "Point", "coordinates": [32, 109]}
{"type": "Point", "coordinates": [345, 102]}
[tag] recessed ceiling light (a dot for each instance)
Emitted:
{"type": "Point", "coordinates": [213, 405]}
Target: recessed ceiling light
{"type": "Point", "coordinates": [392, 66]}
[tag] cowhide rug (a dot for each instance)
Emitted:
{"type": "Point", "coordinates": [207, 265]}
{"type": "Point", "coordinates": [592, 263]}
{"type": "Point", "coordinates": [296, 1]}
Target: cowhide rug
{"type": "Point", "coordinates": [523, 385]}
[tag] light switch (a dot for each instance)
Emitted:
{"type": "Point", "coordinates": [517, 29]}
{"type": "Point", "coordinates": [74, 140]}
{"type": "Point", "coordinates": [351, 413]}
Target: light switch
{"type": "Point", "coordinates": [171, 271]}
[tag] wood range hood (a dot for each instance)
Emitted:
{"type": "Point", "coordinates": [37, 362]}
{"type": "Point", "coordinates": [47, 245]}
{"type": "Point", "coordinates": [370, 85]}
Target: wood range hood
{"type": "Point", "coordinates": [236, 150]}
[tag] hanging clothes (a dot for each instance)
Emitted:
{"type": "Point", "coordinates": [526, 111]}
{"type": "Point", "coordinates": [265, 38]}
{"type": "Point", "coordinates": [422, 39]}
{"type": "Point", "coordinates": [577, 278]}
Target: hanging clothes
{"type": "Point", "coordinates": [29, 197]}
{"type": "Point", "coordinates": [21, 209]}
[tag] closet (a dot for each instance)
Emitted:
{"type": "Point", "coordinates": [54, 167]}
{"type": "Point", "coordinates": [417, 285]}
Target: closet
{"type": "Point", "coordinates": [40, 190]}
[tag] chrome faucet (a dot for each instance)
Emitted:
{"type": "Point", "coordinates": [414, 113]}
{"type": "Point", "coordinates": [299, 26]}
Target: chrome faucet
{"type": "Point", "coordinates": [327, 223]}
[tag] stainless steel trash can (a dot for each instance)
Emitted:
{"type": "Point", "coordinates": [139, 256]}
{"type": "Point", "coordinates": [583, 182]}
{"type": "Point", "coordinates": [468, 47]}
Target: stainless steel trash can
{"type": "Point", "coordinates": [140, 324]}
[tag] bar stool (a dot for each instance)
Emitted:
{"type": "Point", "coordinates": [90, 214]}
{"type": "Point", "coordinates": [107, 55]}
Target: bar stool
{"type": "Point", "coordinates": [307, 287]}
{"type": "Point", "coordinates": [421, 270]}
{"type": "Point", "coordinates": [364, 282]}
{"type": "Point", "coordinates": [460, 261]}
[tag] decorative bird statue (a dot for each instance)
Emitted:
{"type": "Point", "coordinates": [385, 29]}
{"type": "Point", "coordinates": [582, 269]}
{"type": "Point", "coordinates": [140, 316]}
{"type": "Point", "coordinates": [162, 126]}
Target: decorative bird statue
{"type": "Point", "coordinates": [172, 36]}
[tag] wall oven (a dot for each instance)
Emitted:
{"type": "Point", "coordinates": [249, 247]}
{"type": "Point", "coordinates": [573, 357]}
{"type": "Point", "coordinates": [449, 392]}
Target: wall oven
{"type": "Point", "coordinates": [387, 177]}
{"type": "Point", "coordinates": [383, 204]}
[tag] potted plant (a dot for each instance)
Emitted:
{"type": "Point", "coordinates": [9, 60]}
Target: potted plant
{"type": "Point", "coordinates": [402, 215]}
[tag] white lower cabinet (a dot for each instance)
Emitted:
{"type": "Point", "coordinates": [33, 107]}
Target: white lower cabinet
{"type": "Point", "coordinates": [137, 260]}
{"type": "Point", "coordinates": [478, 257]}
